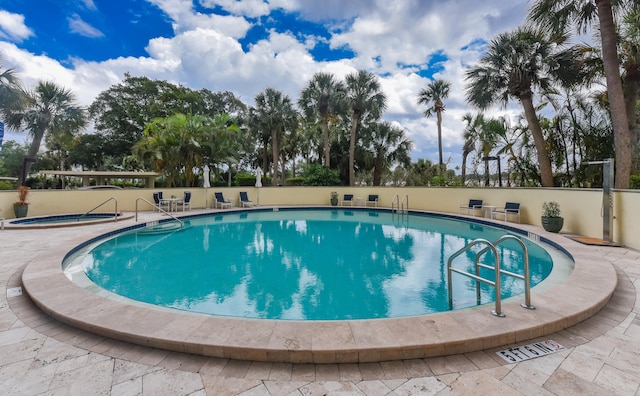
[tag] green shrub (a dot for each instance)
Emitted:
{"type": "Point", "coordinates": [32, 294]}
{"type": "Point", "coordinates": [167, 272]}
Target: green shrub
{"type": "Point", "coordinates": [294, 181]}
{"type": "Point", "coordinates": [318, 175]}
{"type": "Point", "coordinates": [7, 185]}
{"type": "Point", "coordinates": [244, 179]}
{"type": "Point", "coordinates": [634, 182]}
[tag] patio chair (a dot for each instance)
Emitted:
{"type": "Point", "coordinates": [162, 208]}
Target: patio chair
{"type": "Point", "coordinates": [244, 199]}
{"type": "Point", "coordinates": [347, 198]}
{"type": "Point", "coordinates": [372, 199]}
{"type": "Point", "coordinates": [510, 208]}
{"type": "Point", "coordinates": [159, 201]}
{"type": "Point", "coordinates": [472, 207]}
{"type": "Point", "coordinates": [219, 200]}
{"type": "Point", "coordinates": [186, 200]}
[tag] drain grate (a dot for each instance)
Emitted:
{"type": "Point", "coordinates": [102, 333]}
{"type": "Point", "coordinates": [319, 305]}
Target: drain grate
{"type": "Point", "coordinates": [530, 351]}
{"type": "Point", "coordinates": [14, 292]}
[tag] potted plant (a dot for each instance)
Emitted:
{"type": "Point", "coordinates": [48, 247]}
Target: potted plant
{"type": "Point", "coordinates": [334, 198]}
{"type": "Point", "coordinates": [551, 220]}
{"type": "Point", "coordinates": [21, 206]}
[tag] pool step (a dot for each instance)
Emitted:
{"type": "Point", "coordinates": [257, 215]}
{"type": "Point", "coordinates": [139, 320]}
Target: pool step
{"type": "Point", "coordinates": [160, 228]}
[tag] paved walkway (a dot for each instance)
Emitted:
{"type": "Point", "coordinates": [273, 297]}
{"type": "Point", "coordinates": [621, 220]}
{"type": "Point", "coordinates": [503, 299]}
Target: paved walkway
{"type": "Point", "coordinates": [39, 356]}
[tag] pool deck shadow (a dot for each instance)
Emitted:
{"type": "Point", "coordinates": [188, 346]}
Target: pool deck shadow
{"type": "Point", "coordinates": [581, 295]}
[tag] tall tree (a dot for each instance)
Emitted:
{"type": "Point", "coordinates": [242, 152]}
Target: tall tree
{"type": "Point", "coordinates": [11, 94]}
{"type": "Point", "coordinates": [87, 151]}
{"type": "Point", "coordinates": [275, 114]}
{"type": "Point", "coordinates": [387, 145]}
{"type": "Point", "coordinates": [173, 144]}
{"type": "Point", "coordinates": [48, 109]}
{"type": "Point", "coordinates": [365, 100]}
{"type": "Point", "coordinates": [557, 16]}
{"type": "Point", "coordinates": [433, 96]}
{"type": "Point", "coordinates": [515, 64]}
{"type": "Point", "coordinates": [474, 134]}
{"type": "Point", "coordinates": [224, 142]}
{"type": "Point", "coordinates": [630, 58]}
{"type": "Point", "coordinates": [322, 97]}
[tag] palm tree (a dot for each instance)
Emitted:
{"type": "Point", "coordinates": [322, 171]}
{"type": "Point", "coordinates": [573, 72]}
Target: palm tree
{"type": "Point", "coordinates": [387, 145]}
{"type": "Point", "coordinates": [434, 95]}
{"type": "Point", "coordinates": [630, 58]}
{"type": "Point", "coordinates": [321, 98]}
{"type": "Point", "coordinates": [274, 113]}
{"type": "Point", "coordinates": [472, 134]}
{"type": "Point", "coordinates": [484, 133]}
{"type": "Point", "coordinates": [11, 95]}
{"type": "Point", "coordinates": [557, 16]}
{"type": "Point", "coordinates": [224, 143]}
{"type": "Point", "coordinates": [173, 144]}
{"type": "Point", "coordinates": [467, 148]}
{"type": "Point", "coordinates": [514, 65]}
{"type": "Point", "coordinates": [366, 101]}
{"type": "Point", "coordinates": [48, 109]}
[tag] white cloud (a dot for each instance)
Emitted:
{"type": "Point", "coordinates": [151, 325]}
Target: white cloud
{"type": "Point", "coordinates": [386, 37]}
{"type": "Point", "coordinates": [78, 26]}
{"type": "Point", "coordinates": [249, 8]}
{"type": "Point", "coordinates": [12, 27]}
{"type": "Point", "coordinates": [89, 4]}
{"type": "Point", "coordinates": [184, 18]}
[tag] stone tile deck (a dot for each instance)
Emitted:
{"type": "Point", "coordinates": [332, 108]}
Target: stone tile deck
{"type": "Point", "coordinates": [39, 355]}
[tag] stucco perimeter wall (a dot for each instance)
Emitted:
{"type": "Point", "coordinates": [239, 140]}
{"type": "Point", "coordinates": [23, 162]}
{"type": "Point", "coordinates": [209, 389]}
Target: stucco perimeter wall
{"type": "Point", "coordinates": [581, 208]}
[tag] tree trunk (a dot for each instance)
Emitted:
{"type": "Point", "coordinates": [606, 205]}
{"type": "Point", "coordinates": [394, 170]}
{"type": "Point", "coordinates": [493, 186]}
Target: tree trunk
{"type": "Point", "coordinates": [355, 119]}
{"type": "Point", "coordinates": [265, 158]}
{"type": "Point", "coordinates": [631, 98]}
{"type": "Point", "coordinates": [274, 148]}
{"type": "Point", "coordinates": [32, 154]}
{"type": "Point", "coordinates": [440, 160]}
{"type": "Point", "coordinates": [546, 173]}
{"type": "Point", "coordinates": [464, 167]}
{"type": "Point", "coordinates": [325, 138]}
{"type": "Point", "coordinates": [377, 174]}
{"type": "Point", "coordinates": [611, 63]}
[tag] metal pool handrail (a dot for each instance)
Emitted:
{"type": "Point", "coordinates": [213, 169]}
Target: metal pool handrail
{"type": "Point", "coordinates": [477, 277]}
{"type": "Point", "coordinates": [159, 209]}
{"type": "Point", "coordinates": [110, 199]}
{"type": "Point", "coordinates": [401, 206]}
{"type": "Point", "coordinates": [527, 274]}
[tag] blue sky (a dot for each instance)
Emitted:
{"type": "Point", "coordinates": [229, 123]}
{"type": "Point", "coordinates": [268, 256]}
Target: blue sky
{"type": "Point", "coordinates": [249, 45]}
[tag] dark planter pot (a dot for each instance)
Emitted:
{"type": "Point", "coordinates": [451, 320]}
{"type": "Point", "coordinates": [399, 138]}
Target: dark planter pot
{"type": "Point", "coordinates": [334, 201]}
{"type": "Point", "coordinates": [20, 210]}
{"type": "Point", "coordinates": [552, 224]}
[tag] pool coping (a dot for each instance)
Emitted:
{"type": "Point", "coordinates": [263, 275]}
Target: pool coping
{"type": "Point", "coordinates": [582, 294]}
{"type": "Point", "coordinates": [11, 225]}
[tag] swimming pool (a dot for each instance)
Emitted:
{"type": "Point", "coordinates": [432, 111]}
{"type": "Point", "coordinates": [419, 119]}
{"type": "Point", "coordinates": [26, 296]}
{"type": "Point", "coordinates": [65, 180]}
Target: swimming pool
{"type": "Point", "coordinates": [303, 264]}
{"type": "Point", "coordinates": [572, 293]}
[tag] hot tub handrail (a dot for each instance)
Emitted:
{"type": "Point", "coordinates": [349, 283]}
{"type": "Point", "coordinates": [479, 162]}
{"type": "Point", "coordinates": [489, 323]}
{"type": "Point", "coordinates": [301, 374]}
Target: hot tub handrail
{"type": "Point", "coordinates": [110, 199]}
{"type": "Point", "coordinates": [159, 209]}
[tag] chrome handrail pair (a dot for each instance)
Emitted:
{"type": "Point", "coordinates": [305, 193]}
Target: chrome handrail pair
{"type": "Point", "coordinates": [496, 267]}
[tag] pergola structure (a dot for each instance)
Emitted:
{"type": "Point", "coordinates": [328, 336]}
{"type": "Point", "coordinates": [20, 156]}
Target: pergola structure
{"type": "Point", "coordinates": [102, 176]}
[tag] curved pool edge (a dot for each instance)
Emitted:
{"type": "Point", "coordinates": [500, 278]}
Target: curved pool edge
{"type": "Point", "coordinates": [587, 289]}
{"type": "Point", "coordinates": [10, 225]}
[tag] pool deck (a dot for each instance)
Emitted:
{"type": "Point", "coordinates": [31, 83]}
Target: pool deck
{"type": "Point", "coordinates": [40, 355]}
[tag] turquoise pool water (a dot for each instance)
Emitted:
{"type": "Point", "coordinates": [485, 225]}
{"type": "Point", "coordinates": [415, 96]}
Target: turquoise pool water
{"type": "Point", "coordinates": [304, 264]}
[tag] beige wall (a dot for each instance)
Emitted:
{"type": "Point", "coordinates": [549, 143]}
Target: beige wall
{"type": "Point", "coordinates": [581, 208]}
